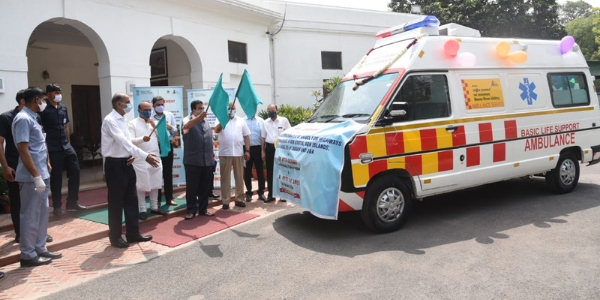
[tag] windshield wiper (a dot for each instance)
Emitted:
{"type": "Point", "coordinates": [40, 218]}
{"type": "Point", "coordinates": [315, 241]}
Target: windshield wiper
{"type": "Point", "coordinates": [328, 117]}
{"type": "Point", "coordinates": [355, 115]}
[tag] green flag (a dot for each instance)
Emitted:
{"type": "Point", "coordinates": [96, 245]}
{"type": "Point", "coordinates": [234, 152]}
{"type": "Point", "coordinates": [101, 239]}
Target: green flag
{"type": "Point", "coordinates": [219, 103]}
{"type": "Point", "coordinates": [163, 137]}
{"type": "Point", "coordinates": [247, 95]}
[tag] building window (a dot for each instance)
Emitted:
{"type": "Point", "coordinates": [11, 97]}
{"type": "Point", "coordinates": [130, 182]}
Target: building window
{"type": "Point", "coordinates": [331, 60]}
{"type": "Point", "coordinates": [237, 52]}
{"type": "Point", "coordinates": [568, 90]}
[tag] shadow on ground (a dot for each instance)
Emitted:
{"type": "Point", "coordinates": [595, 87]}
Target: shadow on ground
{"type": "Point", "coordinates": [483, 213]}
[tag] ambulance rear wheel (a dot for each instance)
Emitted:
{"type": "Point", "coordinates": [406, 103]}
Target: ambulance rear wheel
{"type": "Point", "coordinates": [386, 204]}
{"type": "Point", "coordinates": [564, 178]}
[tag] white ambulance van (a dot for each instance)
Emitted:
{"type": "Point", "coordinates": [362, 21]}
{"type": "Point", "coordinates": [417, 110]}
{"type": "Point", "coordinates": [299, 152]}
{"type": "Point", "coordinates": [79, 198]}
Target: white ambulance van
{"type": "Point", "coordinates": [434, 109]}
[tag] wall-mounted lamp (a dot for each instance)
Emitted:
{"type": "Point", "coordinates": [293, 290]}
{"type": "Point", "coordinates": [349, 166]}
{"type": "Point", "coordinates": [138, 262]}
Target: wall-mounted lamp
{"type": "Point", "coordinates": [45, 75]}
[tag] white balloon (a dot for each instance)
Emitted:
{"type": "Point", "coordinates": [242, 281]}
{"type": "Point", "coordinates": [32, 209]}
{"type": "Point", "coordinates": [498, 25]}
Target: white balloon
{"type": "Point", "coordinates": [466, 59]}
{"type": "Point", "coordinates": [570, 57]}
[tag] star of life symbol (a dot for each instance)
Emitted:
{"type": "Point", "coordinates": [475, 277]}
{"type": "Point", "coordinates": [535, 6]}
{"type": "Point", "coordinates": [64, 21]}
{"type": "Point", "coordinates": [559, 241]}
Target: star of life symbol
{"type": "Point", "coordinates": [528, 91]}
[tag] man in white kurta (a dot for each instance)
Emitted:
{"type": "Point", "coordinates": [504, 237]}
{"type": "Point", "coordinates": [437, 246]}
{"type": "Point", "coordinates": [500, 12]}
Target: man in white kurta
{"type": "Point", "coordinates": [149, 179]}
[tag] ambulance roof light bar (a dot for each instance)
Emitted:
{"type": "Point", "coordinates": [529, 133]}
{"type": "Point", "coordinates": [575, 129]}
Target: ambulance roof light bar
{"type": "Point", "coordinates": [426, 21]}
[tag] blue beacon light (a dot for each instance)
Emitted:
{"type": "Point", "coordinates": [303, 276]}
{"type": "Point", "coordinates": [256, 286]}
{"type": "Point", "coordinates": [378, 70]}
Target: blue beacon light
{"type": "Point", "coordinates": [426, 21]}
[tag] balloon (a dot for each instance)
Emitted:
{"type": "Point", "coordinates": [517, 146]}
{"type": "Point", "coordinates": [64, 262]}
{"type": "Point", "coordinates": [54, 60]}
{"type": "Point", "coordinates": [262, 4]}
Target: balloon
{"type": "Point", "coordinates": [518, 57]}
{"type": "Point", "coordinates": [466, 59]}
{"type": "Point", "coordinates": [566, 44]}
{"type": "Point", "coordinates": [502, 48]}
{"type": "Point", "coordinates": [570, 58]}
{"type": "Point", "coordinates": [451, 47]}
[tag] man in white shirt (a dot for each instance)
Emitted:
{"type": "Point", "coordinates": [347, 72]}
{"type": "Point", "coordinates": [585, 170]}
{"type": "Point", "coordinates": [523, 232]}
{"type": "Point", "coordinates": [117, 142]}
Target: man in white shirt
{"type": "Point", "coordinates": [256, 126]}
{"type": "Point", "coordinates": [158, 103]}
{"type": "Point", "coordinates": [119, 153]}
{"type": "Point", "coordinates": [234, 149]}
{"type": "Point", "coordinates": [274, 126]}
{"type": "Point", "coordinates": [148, 178]}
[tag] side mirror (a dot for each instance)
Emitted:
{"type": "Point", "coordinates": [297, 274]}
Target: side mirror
{"type": "Point", "coordinates": [397, 113]}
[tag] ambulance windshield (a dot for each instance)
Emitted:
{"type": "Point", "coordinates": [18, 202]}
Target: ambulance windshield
{"type": "Point", "coordinates": [344, 103]}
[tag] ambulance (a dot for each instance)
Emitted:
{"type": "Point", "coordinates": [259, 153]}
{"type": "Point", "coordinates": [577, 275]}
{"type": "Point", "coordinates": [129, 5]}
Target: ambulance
{"type": "Point", "coordinates": [432, 109]}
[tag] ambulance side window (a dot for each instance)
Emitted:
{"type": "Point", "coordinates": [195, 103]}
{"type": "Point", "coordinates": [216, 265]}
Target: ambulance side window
{"type": "Point", "coordinates": [426, 97]}
{"type": "Point", "coordinates": [568, 89]}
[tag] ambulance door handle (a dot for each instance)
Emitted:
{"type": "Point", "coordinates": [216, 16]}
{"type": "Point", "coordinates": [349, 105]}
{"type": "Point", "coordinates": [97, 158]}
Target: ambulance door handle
{"type": "Point", "coordinates": [451, 128]}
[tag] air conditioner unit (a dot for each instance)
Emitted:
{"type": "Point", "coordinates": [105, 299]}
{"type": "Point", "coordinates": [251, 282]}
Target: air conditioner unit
{"type": "Point", "coordinates": [2, 85]}
{"type": "Point", "coordinates": [129, 87]}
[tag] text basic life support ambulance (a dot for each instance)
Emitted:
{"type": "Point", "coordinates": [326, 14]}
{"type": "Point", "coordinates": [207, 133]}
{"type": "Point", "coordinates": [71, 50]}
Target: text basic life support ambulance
{"type": "Point", "coordinates": [423, 114]}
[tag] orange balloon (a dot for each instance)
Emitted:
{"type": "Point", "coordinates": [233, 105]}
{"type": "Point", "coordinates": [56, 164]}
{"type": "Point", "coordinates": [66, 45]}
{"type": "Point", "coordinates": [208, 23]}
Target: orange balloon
{"type": "Point", "coordinates": [518, 57]}
{"type": "Point", "coordinates": [502, 48]}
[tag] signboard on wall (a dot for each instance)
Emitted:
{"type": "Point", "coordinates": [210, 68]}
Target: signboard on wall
{"type": "Point", "coordinates": [173, 96]}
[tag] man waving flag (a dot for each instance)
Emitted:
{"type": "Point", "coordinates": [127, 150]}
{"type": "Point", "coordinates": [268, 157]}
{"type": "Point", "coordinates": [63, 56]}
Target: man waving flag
{"type": "Point", "coordinates": [219, 103]}
{"type": "Point", "coordinates": [247, 95]}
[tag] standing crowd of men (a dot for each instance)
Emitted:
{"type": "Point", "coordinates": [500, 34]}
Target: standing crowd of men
{"type": "Point", "coordinates": [37, 149]}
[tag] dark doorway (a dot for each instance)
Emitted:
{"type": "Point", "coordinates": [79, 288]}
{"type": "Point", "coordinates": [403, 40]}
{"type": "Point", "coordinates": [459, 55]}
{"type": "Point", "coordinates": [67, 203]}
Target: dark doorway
{"type": "Point", "coordinates": [87, 119]}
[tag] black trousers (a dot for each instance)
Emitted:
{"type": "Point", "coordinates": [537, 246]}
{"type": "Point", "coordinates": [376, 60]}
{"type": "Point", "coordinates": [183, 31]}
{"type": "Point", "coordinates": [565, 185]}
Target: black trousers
{"type": "Point", "coordinates": [197, 188]}
{"type": "Point", "coordinates": [122, 195]}
{"type": "Point", "coordinates": [270, 156]}
{"type": "Point", "coordinates": [256, 160]}
{"type": "Point", "coordinates": [167, 163]}
{"type": "Point", "coordinates": [15, 205]}
{"type": "Point", "coordinates": [61, 160]}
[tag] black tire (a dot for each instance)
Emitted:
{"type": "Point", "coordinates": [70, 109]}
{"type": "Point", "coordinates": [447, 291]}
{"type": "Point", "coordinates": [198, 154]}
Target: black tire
{"type": "Point", "coordinates": [564, 178]}
{"type": "Point", "coordinates": [386, 205]}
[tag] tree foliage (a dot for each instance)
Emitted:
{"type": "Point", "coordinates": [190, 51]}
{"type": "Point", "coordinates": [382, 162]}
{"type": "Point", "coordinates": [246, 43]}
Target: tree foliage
{"type": "Point", "coordinates": [499, 18]}
{"type": "Point", "coordinates": [572, 10]}
{"type": "Point", "coordinates": [582, 29]}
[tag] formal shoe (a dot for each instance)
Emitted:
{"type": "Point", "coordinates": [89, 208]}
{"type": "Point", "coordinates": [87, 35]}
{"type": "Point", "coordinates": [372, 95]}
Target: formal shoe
{"type": "Point", "coordinates": [75, 206]}
{"type": "Point", "coordinates": [213, 195]}
{"type": "Point", "coordinates": [121, 243]}
{"type": "Point", "coordinates": [1, 275]}
{"type": "Point", "coordinates": [53, 255]}
{"type": "Point", "coordinates": [172, 202]}
{"type": "Point", "coordinates": [49, 239]}
{"type": "Point", "coordinates": [190, 216]}
{"type": "Point", "coordinates": [282, 200]}
{"type": "Point", "coordinates": [269, 200]}
{"type": "Point", "coordinates": [240, 204]}
{"type": "Point", "coordinates": [57, 211]}
{"type": "Point", "coordinates": [206, 214]}
{"type": "Point", "coordinates": [248, 198]}
{"type": "Point", "coordinates": [143, 216]}
{"type": "Point", "coordinates": [262, 198]}
{"type": "Point", "coordinates": [225, 206]}
{"type": "Point", "coordinates": [34, 262]}
{"type": "Point", "coordinates": [159, 212]}
{"type": "Point", "coordinates": [139, 238]}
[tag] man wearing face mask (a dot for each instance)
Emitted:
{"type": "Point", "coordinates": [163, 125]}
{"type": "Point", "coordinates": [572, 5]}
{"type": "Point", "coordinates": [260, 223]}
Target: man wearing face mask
{"type": "Point", "coordinates": [34, 177]}
{"type": "Point", "coordinates": [234, 149]}
{"type": "Point", "coordinates": [55, 119]}
{"type": "Point", "coordinates": [148, 178]}
{"type": "Point", "coordinates": [119, 153]}
{"type": "Point", "coordinates": [158, 103]}
{"type": "Point", "coordinates": [274, 126]}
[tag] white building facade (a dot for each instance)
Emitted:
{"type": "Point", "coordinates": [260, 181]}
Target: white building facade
{"type": "Point", "coordinates": [95, 48]}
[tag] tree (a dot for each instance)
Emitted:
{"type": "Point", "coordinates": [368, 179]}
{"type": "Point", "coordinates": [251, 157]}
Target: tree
{"type": "Point", "coordinates": [572, 10]}
{"type": "Point", "coordinates": [582, 30]}
{"type": "Point", "coordinates": [498, 18]}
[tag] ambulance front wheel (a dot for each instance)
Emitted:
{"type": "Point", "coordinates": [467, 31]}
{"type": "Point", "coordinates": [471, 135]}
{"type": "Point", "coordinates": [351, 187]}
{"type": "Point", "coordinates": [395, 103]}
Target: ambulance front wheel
{"type": "Point", "coordinates": [564, 178]}
{"type": "Point", "coordinates": [386, 204]}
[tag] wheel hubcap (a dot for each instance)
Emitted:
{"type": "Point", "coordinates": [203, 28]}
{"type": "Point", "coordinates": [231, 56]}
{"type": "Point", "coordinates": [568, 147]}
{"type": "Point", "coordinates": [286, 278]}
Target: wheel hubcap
{"type": "Point", "coordinates": [567, 172]}
{"type": "Point", "coordinates": [390, 205]}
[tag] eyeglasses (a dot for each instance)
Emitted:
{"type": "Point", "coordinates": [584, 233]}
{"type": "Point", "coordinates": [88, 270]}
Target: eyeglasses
{"type": "Point", "coordinates": [146, 110]}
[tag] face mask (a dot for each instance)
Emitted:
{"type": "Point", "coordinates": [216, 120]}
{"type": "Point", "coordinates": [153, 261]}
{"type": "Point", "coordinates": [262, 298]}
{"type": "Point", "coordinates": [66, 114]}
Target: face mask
{"type": "Point", "coordinates": [42, 106]}
{"type": "Point", "coordinates": [159, 109]}
{"type": "Point", "coordinates": [58, 98]}
{"type": "Point", "coordinates": [232, 113]}
{"type": "Point", "coordinates": [145, 113]}
{"type": "Point", "coordinates": [272, 114]}
{"type": "Point", "coordinates": [129, 107]}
